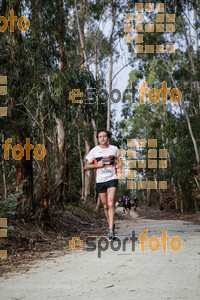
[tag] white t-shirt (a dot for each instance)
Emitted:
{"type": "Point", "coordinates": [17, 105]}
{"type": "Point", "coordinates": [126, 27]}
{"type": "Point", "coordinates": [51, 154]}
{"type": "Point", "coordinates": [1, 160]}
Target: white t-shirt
{"type": "Point", "coordinates": [109, 171]}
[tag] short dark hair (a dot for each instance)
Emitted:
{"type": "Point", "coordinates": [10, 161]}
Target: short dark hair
{"type": "Point", "coordinates": [107, 132]}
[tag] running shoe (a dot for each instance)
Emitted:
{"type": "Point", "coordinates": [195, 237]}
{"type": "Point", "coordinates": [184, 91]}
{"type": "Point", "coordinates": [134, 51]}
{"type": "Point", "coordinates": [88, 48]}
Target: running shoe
{"type": "Point", "coordinates": [111, 234]}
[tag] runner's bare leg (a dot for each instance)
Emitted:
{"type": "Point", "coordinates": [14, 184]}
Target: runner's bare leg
{"type": "Point", "coordinates": [111, 192]}
{"type": "Point", "coordinates": [103, 197]}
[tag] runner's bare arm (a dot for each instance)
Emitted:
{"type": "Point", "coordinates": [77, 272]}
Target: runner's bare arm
{"type": "Point", "coordinates": [90, 166]}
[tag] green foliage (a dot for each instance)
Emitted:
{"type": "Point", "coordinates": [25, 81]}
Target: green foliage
{"type": "Point", "coordinates": [9, 206]}
{"type": "Point", "coordinates": [168, 123]}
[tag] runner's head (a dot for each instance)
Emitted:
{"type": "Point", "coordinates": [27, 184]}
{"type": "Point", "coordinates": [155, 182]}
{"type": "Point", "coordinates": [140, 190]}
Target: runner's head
{"type": "Point", "coordinates": [103, 137]}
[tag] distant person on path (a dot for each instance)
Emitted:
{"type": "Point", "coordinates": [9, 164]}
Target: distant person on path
{"type": "Point", "coordinates": [103, 158]}
{"type": "Point", "coordinates": [124, 203]}
{"type": "Point", "coordinates": [128, 205]}
{"type": "Point", "coordinates": [120, 201]}
{"type": "Point", "coordinates": [135, 203]}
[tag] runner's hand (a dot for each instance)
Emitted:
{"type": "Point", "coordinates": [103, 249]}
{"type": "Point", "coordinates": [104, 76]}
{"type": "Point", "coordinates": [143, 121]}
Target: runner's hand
{"type": "Point", "coordinates": [100, 164]}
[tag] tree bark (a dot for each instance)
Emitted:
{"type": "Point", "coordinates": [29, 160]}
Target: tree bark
{"type": "Point", "coordinates": [24, 184]}
{"type": "Point", "coordinates": [195, 199]}
{"type": "Point", "coordinates": [45, 201]}
{"type": "Point", "coordinates": [181, 196]}
{"type": "Point", "coordinates": [61, 36]}
{"type": "Point", "coordinates": [160, 198]}
{"type": "Point", "coordinates": [62, 170]}
{"type": "Point", "coordinates": [88, 174]}
{"type": "Point", "coordinates": [82, 168]}
{"type": "Point", "coordinates": [4, 172]}
{"type": "Point", "coordinates": [191, 60]}
{"type": "Point", "coordinates": [24, 168]}
{"type": "Point", "coordinates": [176, 196]}
{"type": "Point", "coordinates": [111, 63]}
{"type": "Point", "coordinates": [82, 33]}
{"type": "Point", "coordinates": [148, 194]}
{"type": "Point", "coordinates": [88, 177]}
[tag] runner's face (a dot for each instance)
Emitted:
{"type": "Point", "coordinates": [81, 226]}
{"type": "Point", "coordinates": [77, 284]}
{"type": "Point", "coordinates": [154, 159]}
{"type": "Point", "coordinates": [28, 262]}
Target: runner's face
{"type": "Point", "coordinates": [103, 139]}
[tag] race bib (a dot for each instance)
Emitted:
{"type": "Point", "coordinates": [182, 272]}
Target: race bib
{"type": "Point", "coordinates": [106, 172]}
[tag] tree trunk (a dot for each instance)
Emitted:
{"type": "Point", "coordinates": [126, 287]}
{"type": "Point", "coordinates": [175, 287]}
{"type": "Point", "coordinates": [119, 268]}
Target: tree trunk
{"type": "Point", "coordinates": [175, 194]}
{"type": "Point", "coordinates": [59, 153]}
{"type": "Point", "coordinates": [61, 31]}
{"type": "Point", "coordinates": [148, 194]}
{"type": "Point", "coordinates": [149, 197]}
{"type": "Point", "coordinates": [99, 203]}
{"type": "Point", "coordinates": [196, 31]}
{"type": "Point", "coordinates": [82, 33]}
{"type": "Point", "coordinates": [24, 170]}
{"type": "Point", "coordinates": [181, 196]}
{"type": "Point", "coordinates": [160, 198]}
{"type": "Point", "coordinates": [94, 132]}
{"type": "Point", "coordinates": [191, 59]}
{"type": "Point", "coordinates": [82, 168]}
{"type": "Point", "coordinates": [110, 90]}
{"type": "Point", "coordinates": [111, 63]}
{"type": "Point", "coordinates": [191, 132]}
{"type": "Point", "coordinates": [143, 196]}
{"type": "Point", "coordinates": [88, 174]}
{"type": "Point", "coordinates": [45, 202]}
{"type": "Point", "coordinates": [62, 169]}
{"type": "Point", "coordinates": [88, 177]}
{"type": "Point", "coordinates": [195, 199]}
{"type": "Point", "coordinates": [4, 173]}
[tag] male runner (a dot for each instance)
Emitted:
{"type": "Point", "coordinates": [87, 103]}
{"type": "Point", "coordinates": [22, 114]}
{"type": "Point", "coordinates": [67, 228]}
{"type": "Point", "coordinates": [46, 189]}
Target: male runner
{"type": "Point", "coordinates": [104, 157]}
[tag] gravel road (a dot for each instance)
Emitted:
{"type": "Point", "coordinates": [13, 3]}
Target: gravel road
{"type": "Point", "coordinates": [112, 274]}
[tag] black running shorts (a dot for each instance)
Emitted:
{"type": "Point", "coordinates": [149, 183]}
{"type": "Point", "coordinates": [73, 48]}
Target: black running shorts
{"type": "Point", "coordinates": [103, 186]}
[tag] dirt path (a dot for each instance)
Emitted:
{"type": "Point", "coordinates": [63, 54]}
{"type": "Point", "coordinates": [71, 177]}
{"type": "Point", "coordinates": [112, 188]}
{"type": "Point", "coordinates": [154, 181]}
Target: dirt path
{"type": "Point", "coordinates": [116, 274]}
